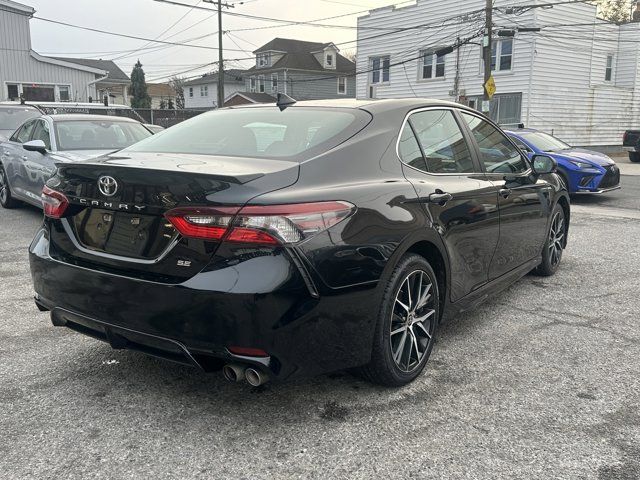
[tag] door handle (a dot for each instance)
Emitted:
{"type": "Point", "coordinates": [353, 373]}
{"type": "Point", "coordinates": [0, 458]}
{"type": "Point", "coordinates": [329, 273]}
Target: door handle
{"type": "Point", "coordinates": [505, 192]}
{"type": "Point", "coordinates": [440, 197]}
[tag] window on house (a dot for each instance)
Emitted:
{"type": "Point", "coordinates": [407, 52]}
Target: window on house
{"type": "Point", "coordinates": [342, 85]}
{"type": "Point", "coordinates": [263, 59]}
{"type": "Point", "coordinates": [433, 65]}
{"type": "Point", "coordinates": [501, 55]}
{"type": "Point", "coordinates": [380, 69]}
{"type": "Point", "coordinates": [39, 93]}
{"type": "Point", "coordinates": [608, 72]}
{"type": "Point", "coordinates": [204, 90]}
{"type": "Point", "coordinates": [274, 83]}
{"type": "Point", "coordinates": [12, 92]}
{"type": "Point", "coordinates": [329, 60]}
{"type": "Point", "coordinates": [190, 92]}
{"type": "Point", "coordinates": [252, 84]}
{"type": "Point", "coordinates": [261, 83]}
{"type": "Point", "coordinates": [504, 108]}
{"type": "Point", "coordinates": [63, 93]}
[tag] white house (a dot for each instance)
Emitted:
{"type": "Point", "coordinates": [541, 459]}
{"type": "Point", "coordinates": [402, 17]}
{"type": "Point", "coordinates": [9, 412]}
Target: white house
{"type": "Point", "coordinates": [203, 92]}
{"type": "Point", "coordinates": [578, 77]}
{"type": "Point", "coordinates": [24, 72]}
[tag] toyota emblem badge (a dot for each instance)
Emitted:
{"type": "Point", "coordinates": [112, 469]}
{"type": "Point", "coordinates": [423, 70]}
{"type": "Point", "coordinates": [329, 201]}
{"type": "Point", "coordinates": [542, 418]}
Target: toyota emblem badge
{"type": "Point", "coordinates": [107, 186]}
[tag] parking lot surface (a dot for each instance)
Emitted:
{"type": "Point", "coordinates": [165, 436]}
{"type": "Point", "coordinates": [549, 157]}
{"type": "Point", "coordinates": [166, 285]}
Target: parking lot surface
{"type": "Point", "coordinates": [541, 381]}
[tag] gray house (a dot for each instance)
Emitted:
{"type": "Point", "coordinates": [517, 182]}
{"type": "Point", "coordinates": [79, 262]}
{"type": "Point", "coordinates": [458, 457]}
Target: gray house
{"type": "Point", "coordinates": [26, 73]}
{"type": "Point", "coordinates": [302, 70]}
{"type": "Point", "coordinates": [202, 92]}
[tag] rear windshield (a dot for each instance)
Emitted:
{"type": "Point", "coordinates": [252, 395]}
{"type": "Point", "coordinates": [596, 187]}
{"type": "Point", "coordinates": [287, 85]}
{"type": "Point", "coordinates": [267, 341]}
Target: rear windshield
{"type": "Point", "coordinates": [265, 132]}
{"type": "Point", "coordinates": [12, 117]}
{"type": "Point", "coordinates": [98, 134]}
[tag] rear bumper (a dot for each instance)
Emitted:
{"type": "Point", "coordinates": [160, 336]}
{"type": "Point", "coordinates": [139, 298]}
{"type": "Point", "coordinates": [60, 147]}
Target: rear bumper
{"type": "Point", "coordinates": [194, 322]}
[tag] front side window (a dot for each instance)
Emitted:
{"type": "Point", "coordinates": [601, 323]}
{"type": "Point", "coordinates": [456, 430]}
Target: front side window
{"type": "Point", "coordinates": [41, 132]}
{"type": "Point", "coordinates": [497, 153]}
{"type": "Point", "coordinates": [380, 69]}
{"type": "Point", "coordinates": [24, 135]}
{"type": "Point", "coordinates": [342, 85]}
{"type": "Point", "coordinates": [443, 145]}
{"type": "Point", "coordinates": [264, 132]}
{"type": "Point", "coordinates": [502, 55]}
{"type": "Point", "coordinates": [433, 66]}
{"type": "Point", "coordinates": [608, 73]}
{"type": "Point", "coordinates": [98, 134]}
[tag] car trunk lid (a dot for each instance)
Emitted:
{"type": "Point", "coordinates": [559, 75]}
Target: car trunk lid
{"type": "Point", "coordinates": [116, 218]}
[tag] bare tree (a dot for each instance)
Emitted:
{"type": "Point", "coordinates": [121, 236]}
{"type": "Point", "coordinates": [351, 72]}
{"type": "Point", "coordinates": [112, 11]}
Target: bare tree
{"type": "Point", "coordinates": [618, 11]}
{"type": "Point", "coordinates": [350, 55]}
{"type": "Point", "coordinates": [177, 84]}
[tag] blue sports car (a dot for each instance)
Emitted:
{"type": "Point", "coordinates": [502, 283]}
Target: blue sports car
{"type": "Point", "coordinates": [583, 171]}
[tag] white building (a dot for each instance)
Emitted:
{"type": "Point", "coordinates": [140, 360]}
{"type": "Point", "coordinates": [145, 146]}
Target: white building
{"type": "Point", "coordinates": [578, 77]}
{"type": "Point", "coordinates": [203, 92]}
{"type": "Point", "coordinates": [36, 77]}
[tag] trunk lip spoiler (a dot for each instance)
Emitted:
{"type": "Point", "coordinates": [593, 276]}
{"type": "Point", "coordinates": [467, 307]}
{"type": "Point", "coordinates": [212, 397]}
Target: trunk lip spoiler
{"type": "Point", "coordinates": [151, 261]}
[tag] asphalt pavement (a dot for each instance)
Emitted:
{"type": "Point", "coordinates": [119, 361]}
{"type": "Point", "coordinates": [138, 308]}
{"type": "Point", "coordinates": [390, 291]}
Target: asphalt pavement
{"type": "Point", "coordinates": [542, 381]}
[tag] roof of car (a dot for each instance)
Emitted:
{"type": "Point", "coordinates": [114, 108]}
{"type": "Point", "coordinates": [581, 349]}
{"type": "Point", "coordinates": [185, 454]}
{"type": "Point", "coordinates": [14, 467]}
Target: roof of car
{"type": "Point", "coordinates": [16, 105]}
{"type": "Point", "coordinates": [59, 117]}
{"type": "Point", "coordinates": [369, 104]}
{"type": "Point", "coordinates": [520, 130]}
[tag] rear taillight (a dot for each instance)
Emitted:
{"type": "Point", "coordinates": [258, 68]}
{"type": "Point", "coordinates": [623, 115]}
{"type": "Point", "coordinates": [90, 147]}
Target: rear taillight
{"type": "Point", "coordinates": [54, 203]}
{"type": "Point", "coordinates": [263, 224]}
{"type": "Point", "coordinates": [205, 223]}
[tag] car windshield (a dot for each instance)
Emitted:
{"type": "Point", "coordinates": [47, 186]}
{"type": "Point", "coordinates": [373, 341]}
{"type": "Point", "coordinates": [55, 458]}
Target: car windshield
{"type": "Point", "coordinates": [12, 117]}
{"type": "Point", "coordinates": [545, 142]}
{"type": "Point", "coordinates": [98, 134]}
{"type": "Point", "coordinates": [265, 132]}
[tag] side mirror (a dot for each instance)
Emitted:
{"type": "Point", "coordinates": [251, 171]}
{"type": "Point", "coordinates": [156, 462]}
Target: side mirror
{"type": "Point", "coordinates": [35, 146]}
{"type": "Point", "coordinates": [542, 164]}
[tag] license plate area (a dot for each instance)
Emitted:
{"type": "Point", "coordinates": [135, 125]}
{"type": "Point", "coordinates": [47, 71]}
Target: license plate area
{"type": "Point", "coordinates": [123, 233]}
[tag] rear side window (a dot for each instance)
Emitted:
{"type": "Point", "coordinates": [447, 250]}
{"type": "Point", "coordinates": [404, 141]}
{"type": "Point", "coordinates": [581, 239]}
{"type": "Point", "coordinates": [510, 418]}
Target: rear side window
{"type": "Point", "coordinates": [295, 133]}
{"type": "Point", "coordinates": [497, 153]}
{"type": "Point", "coordinates": [443, 145]}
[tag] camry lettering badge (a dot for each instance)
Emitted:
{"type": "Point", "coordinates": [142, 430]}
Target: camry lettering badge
{"type": "Point", "coordinates": [107, 185]}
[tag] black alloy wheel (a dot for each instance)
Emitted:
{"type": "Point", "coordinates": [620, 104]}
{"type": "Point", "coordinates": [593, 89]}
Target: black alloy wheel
{"type": "Point", "coordinates": [405, 331]}
{"type": "Point", "coordinates": [6, 199]}
{"type": "Point", "coordinates": [554, 246]}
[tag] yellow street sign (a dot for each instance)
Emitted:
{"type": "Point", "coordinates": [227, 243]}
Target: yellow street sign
{"type": "Point", "coordinates": [490, 87]}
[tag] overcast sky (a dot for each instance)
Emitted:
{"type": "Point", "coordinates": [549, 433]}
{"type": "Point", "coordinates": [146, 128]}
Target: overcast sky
{"type": "Point", "coordinates": [150, 18]}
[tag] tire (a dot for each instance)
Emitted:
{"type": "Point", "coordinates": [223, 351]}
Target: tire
{"type": "Point", "coordinates": [391, 364]}
{"type": "Point", "coordinates": [6, 199]}
{"type": "Point", "coordinates": [554, 244]}
{"type": "Point", "coordinates": [634, 156]}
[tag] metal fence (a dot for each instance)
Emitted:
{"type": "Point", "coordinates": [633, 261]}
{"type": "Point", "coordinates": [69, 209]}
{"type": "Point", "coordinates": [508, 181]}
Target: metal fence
{"type": "Point", "coordinates": [167, 118]}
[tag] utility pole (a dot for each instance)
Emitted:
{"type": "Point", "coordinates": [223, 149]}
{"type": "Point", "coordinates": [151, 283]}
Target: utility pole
{"type": "Point", "coordinates": [487, 42]}
{"type": "Point", "coordinates": [220, 4]}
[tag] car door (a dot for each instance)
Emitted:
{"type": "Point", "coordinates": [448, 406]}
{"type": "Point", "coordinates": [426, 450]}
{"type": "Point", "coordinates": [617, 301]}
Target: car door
{"type": "Point", "coordinates": [39, 167]}
{"type": "Point", "coordinates": [14, 157]}
{"type": "Point", "coordinates": [524, 199]}
{"type": "Point", "coordinates": [458, 200]}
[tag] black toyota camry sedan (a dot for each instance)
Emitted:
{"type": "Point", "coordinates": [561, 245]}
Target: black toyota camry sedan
{"type": "Point", "coordinates": [295, 240]}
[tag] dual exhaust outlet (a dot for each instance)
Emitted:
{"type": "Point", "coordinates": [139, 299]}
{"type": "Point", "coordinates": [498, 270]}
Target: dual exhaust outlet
{"type": "Point", "coordinates": [236, 373]}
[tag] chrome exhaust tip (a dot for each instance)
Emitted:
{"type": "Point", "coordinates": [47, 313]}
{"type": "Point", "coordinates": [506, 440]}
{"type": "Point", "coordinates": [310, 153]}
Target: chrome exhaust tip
{"type": "Point", "coordinates": [233, 372]}
{"type": "Point", "coordinates": [254, 377]}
